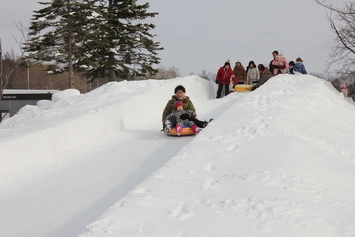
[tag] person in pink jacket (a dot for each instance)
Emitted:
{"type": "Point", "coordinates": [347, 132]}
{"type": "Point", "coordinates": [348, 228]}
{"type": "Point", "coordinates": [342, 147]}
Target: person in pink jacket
{"type": "Point", "coordinates": [279, 64]}
{"type": "Point", "coordinates": [343, 89]}
{"type": "Point", "coordinates": [223, 78]}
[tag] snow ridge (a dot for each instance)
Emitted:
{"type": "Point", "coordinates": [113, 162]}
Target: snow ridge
{"type": "Point", "coordinates": [112, 107]}
{"type": "Point", "coordinates": [278, 161]}
{"type": "Point", "coordinates": [270, 169]}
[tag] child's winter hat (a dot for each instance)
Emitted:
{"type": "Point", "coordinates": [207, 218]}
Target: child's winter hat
{"type": "Point", "coordinates": [178, 103]}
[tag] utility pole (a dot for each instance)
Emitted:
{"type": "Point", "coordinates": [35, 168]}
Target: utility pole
{"type": "Point", "coordinates": [28, 75]}
{"type": "Point", "coordinates": [0, 68]}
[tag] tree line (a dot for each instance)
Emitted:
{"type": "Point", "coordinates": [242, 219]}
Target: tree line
{"type": "Point", "coordinates": [22, 76]}
{"type": "Point", "coordinates": [98, 39]}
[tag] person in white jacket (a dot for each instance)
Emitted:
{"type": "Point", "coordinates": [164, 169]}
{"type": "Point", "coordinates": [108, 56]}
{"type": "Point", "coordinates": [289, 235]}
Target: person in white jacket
{"type": "Point", "coordinates": [253, 74]}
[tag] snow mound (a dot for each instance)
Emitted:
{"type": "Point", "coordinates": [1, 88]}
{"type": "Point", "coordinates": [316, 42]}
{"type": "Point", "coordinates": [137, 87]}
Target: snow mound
{"type": "Point", "coordinates": [72, 119]}
{"type": "Point", "coordinates": [278, 161]}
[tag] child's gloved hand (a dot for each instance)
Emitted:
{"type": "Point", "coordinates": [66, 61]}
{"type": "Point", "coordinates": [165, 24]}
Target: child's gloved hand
{"type": "Point", "coordinates": [184, 116]}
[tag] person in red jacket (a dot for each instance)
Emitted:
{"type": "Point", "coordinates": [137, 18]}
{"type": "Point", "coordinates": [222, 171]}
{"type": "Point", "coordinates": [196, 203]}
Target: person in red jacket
{"type": "Point", "coordinates": [223, 78]}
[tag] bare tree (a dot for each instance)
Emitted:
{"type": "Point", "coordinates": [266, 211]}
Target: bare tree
{"type": "Point", "coordinates": [164, 73]}
{"type": "Point", "coordinates": [207, 75]}
{"type": "Point", "coordinates": [0, 70]}
{"type": "Point", "coordinates": [342, 23]}
{"type": "Point", "coordinates": [5, 77]}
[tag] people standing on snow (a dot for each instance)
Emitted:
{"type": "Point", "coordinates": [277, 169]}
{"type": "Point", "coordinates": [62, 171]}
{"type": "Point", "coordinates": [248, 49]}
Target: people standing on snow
{"type": "Point", "coordinates": [253, 74]}
{"type": "Point", "coordinates": [239, 73]}
{"type": "Point", "coordinates": [279, 64]}
{"type": "Point", "coordinates": [299, 67]}
{"type": "Point", "coordinates": [265, 75]}
{"type": "Point", "coordinates": [180, 92]}
{"type": "Point", "coordinates": [343, 89]}
{"type": "Point", "coordinates": [291, 64]}
{"type": "Point", "coordinates": [223, 79]}
{"type": "Point", "coordinates": [181, 116]}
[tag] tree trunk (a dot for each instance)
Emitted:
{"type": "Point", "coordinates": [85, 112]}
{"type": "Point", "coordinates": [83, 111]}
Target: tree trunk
{"type": "Point", "coordinates": [70, 65]}
{"type": "Point", "coordinates": [111, 73]}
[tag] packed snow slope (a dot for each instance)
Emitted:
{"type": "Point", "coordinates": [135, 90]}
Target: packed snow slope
{"type": "Point", "coordinates": [71, 119]}
{"type": "Point", "coordinates": [278, 161]}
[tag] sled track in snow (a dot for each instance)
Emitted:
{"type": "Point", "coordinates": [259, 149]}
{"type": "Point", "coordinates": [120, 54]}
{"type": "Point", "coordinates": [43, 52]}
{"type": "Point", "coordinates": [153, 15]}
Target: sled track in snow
{"type": "Point", "coordinates": [170, 147]}
{"type": "Point", "coordinates": [165, 148]}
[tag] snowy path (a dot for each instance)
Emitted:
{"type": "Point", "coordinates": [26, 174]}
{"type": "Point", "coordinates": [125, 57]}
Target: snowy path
{"type": "Point", "coordinates": [87, 181]}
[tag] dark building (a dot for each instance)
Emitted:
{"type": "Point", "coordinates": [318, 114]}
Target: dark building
{"type": "Point", "coordinates": [13, 100]}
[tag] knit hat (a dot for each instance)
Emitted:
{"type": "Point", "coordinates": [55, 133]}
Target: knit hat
{"type": "Point", "coordinates": [178, 103]}
{"type": "Point", "coordinates": [299, 59]}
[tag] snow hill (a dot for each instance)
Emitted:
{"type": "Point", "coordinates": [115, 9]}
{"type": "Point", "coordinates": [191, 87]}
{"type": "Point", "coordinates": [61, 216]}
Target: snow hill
{"type": "Point", "coordinates": [278, 161]}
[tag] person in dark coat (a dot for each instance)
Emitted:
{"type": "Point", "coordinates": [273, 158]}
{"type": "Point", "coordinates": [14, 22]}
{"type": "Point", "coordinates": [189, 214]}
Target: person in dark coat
{"type": "Point", "coordinates": [223, 79]}
{"type": "Point", "coordinates": [271, 65]}
{"type": "Point", "coordinates": [291, 64]}
{"type": "Point", "coordinates": [265, 75]}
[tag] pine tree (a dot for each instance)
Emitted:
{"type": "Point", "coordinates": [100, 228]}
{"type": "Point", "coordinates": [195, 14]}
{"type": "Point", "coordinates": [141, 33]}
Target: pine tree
{"type": "Point", "coordinates": [56, 32]}
{"type": "Point", "coordinates": [103, 39]}
{"type": "Point", "coordinates": [122, 45]}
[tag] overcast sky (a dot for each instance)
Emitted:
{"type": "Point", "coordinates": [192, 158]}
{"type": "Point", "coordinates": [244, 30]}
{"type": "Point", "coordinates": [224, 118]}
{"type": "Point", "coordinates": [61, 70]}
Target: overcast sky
{"type": "Point", "coordinates": [202, 34]}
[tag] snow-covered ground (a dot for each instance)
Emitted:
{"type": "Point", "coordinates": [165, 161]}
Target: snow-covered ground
{"type": "Point", "coordinates": [278, 161]}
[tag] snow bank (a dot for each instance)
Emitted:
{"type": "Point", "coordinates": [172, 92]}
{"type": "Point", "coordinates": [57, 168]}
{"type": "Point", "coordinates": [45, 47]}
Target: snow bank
{"type": "Point", "coordinates": [72, 119]}
{"type": "Point", "coordinates": [278, 162]}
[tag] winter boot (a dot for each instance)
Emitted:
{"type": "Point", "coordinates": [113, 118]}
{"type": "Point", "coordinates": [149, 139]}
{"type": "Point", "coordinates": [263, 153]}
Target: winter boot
{"type": "Point", "coordinates": [168, 126]}
{"type": "Point", "coordinates": [178, 129]}
{"type": "Point", "coordinates": [195, 129]}
{"type": "Point", "coordinates": [205, 123]}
